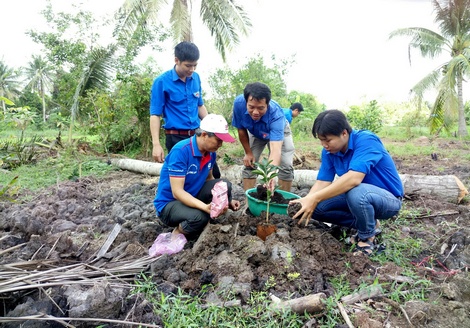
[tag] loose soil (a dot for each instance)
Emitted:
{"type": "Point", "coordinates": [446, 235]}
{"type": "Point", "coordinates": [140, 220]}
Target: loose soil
{"type": "Point", "coordinates": [55, 258]}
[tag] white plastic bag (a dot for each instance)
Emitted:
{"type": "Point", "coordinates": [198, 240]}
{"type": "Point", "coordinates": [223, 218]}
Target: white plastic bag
{"type": "Point", "coordinates": [219, 198]}
{"type": "Point", "coordinates": [167, 243]}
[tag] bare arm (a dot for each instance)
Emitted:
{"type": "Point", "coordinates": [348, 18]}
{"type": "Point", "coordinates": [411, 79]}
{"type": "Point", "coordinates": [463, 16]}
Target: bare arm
{"type": "Point", "coordinates": [275, 152]}
{"type": "Point", "coordinates": [157, 151]}
{"type": "Point", "coordinates": [274, 156]}
{"type": "Point", "coordinates": [323, 190]}
{"type": "Point", "coordinates": [202, 111]}
{"type": "Point", "coordinates": [248, 159]}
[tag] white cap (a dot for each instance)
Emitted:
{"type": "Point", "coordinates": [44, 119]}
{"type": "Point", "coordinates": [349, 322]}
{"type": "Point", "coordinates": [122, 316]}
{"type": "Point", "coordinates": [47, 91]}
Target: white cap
{"type": "Point", "coordinates": [218, 125]}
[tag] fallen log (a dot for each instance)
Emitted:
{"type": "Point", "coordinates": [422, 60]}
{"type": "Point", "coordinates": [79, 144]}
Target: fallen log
{"type": "Point", "coordinates": [138, 166]}
{"type": "Point", "coordinates": [446, 187]}
{"type": "Point", "coordinates": [310, 303]}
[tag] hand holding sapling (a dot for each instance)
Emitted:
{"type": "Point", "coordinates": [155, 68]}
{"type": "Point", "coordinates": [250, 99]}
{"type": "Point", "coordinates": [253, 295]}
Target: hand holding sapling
{"type": "Point", "coordinates": [268, 174]}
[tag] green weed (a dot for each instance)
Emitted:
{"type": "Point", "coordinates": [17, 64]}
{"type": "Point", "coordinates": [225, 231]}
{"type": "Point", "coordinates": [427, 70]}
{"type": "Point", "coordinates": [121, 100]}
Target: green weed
{"type": "Point", "coordinates": [182, 310]}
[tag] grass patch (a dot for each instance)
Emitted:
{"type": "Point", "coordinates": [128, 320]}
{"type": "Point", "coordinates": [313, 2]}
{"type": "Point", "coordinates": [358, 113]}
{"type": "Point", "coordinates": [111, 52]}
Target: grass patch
{"type": "Point", "coordinates": [183, 310]}
{"type": "Point", "coordinates": [53, 170]}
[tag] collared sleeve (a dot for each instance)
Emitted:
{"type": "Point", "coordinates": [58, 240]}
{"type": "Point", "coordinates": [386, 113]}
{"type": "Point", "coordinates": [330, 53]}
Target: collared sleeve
{"type": "Point", "coordinates": [277, 122]}
{"type": "Point", "coordinates": [157, 97]}
{"type": "Point", "coordinates": [178, 164]}
{"type": "Point", "coordinates": [367, 152]}
{"type": "Point", "coordinates": [239, 108]}
{"type": "Point", "coordinates": [327, 170]}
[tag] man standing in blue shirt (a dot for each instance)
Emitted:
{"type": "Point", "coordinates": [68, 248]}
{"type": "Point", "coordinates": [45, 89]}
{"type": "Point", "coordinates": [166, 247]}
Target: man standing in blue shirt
{"type": "Point", "coordinates": [260, 121]}
{"type": "Point", "coordinates": [184, 191]}
{"type": "Point", "coordinates": [176, 96]}
{"type": "Point", "coordinates": [368, 187]}
{"type": "Point", "coordinates": [294, 111]}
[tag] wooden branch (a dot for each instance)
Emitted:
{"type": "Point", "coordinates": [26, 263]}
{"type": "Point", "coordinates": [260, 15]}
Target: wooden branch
{"type": "Point", "coordinates": [41, 317]}
{"type": "Point", "coordinates": [437, 214]}
{"type": "Point", "coordinates": [344, 314]}
{"type": "Point", "coordinates": [310, 303]}
{"type": "Point", "coordinates": [223, 304]}
{"type": "Point", "coordinates": [397, 306]}
{"type": "Point", "coordinates": [371, 292]}
{"type": "Point", "coordinates": [12, 248]}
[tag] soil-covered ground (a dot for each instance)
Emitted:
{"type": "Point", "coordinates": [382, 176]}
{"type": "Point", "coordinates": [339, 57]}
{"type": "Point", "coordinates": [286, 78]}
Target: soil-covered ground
{"type": "Point", "coordinates": [74, 249]}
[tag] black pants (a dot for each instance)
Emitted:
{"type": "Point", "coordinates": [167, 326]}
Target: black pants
{"type": "Point", "coordinates": [191, 219]}
{"type": "Point", "coordinates": [173, 139]}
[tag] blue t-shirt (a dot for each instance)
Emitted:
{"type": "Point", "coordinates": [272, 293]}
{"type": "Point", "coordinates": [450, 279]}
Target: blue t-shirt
{"type": "Point", "coordinates": [365, 154]}
{"type": "Point", "coordinates": [269, 127]}
{"type": "Point", "coordinates": [176, 100]}
{"type": "Point", "coordinates": [288, 114]}
{"type": "Point", "coordinates": [184, 161]}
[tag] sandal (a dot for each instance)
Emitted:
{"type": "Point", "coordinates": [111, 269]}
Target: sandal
{"type": "Point", "coordinates": [366, 250]}
{"type": "Point", "coordinates": [370, 249]}
{"type": "Point", "coordinates": [377, 233]}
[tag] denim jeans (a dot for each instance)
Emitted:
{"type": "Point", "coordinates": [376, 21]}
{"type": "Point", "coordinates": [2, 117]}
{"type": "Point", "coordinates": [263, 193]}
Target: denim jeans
{"type": "Point", "coordinates": [359, 208]}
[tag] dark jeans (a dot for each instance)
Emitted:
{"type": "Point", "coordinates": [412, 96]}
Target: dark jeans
{"type": "Point", "coordinates": [173, 139]}
{"type": "Point", "coordinates": [359, 208]}
{"type": "Point", "coordinates": [191, 219]}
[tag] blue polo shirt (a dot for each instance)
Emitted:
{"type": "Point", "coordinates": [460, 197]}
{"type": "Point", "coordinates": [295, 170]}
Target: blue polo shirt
{"type": "Point", "coordinates": [176, 100]}
{"type": "Point", "coordinates": [288, 114]}
{"type": "Point", "coordinates": [365, 154]}
{"type": "Point", "coordinates": [269, 127]}
{"type": "Point", "coordinates": [184, 161]}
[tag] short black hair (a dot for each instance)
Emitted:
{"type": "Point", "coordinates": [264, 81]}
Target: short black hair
{"type": "Point", "coordinates": [187, 51]}
{"type": "Point", "coordinates": [330, 122]}
{"type": "Point", "coordinates": [297, 106]}
{"type": "Point", "coordinates": [258, 91]}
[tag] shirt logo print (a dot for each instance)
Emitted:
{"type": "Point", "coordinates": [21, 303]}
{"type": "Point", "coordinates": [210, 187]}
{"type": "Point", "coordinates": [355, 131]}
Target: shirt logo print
{"type": "Point", "coordinates": [192, 169]}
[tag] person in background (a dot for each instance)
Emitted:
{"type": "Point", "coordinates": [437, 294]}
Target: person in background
{"type": "Point", "coordinates": [184, 191]}
{"type": "Point", "coordinates": [260, 121]}
{"type": "Point", "coordinates": [176, 96]}
{"type": "Point", "coordinates": [294, 111]}
{"type": "Point", "coordinates": [368, 187]}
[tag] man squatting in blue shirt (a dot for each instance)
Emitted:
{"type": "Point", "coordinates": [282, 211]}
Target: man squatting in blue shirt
{"type": "Point", "coordinates": [368, 187]}
{"type": "Point", "coordinates": [184, 191]}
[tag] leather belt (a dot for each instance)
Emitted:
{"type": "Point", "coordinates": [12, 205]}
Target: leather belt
{"type": "Point", "coordinates": [181, 132]}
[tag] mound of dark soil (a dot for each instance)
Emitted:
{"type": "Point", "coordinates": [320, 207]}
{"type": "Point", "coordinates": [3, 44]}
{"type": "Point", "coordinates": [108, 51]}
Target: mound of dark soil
{"type": "Point", "coordinates": [84, 243]}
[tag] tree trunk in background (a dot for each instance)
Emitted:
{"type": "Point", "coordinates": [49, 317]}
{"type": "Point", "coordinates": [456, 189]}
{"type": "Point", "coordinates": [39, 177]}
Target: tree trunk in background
{"type": "Point", "coordinates": [446, 187]}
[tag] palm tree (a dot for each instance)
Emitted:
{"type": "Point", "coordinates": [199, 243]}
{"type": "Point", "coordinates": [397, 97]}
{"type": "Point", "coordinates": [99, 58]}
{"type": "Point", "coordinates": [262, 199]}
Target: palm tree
{"type": "Point", "coordinates": [95, 74]}
{"type": "Point", "coordinates": [224, 18]}
{"type": "Point", "coordinates": [9, 84]}
{"type": "Point", "coordinates": [453, 17]}
{"type": "Point", "coordinates": [39, 73]}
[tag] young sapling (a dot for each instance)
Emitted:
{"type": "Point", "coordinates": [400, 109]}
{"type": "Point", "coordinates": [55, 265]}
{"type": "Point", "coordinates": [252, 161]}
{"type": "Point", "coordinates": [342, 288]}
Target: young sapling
{"type": "Point", "coordinates": [267, 171]}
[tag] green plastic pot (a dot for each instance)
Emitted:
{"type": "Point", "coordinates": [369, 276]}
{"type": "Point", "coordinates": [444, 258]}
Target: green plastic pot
{"type": "Point", "coordinates": [256, 206]}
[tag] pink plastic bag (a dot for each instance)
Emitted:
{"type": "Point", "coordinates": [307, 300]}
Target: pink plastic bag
{"type": "Point", "coordinates": [219, 198]}
{"type": "Point", "coordinates": [167, 243]}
